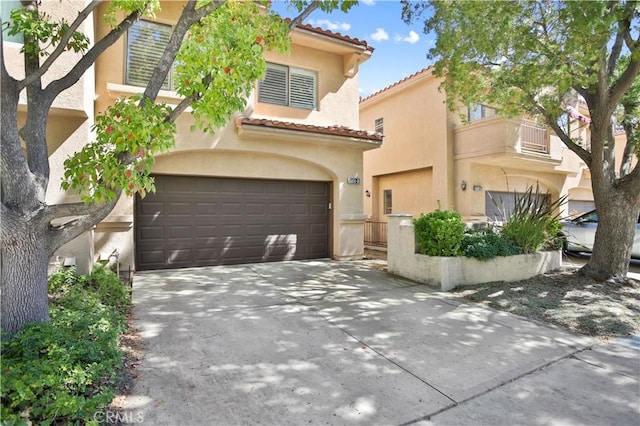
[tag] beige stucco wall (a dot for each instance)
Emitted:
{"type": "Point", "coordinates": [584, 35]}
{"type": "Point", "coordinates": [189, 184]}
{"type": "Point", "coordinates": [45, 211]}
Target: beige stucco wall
{"type": "Point", "coordinates": [416, 135]}
{"type": "Point", "coordinates": [412, 192]}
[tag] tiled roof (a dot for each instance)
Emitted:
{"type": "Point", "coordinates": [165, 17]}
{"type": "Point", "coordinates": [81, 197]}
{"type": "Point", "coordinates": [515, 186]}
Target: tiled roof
{"type": "Point", "coordinates": [421, 72]}
{"type": "Point", "coordinates": [332, 34]}
{"type": "Point", "coordinates": [326, 130]}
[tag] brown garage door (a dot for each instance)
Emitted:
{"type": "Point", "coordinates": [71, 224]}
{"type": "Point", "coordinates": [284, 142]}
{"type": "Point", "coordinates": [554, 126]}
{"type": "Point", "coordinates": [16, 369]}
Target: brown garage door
{"type": "Point", "coordinates": [201, 221]}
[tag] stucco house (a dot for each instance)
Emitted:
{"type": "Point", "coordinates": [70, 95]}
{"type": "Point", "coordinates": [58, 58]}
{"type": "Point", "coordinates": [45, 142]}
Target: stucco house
{"type": "Point", "coordinates": [432, 157]}
{"type": "Point", "coordinates": [279, 181]}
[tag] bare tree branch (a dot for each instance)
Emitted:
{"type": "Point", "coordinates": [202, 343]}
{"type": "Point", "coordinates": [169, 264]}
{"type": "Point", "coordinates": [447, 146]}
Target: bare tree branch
{"type": "Point", "coordinates": [89, 58]}
{"type": "Point", "coordinates": [580, 151]}
{"type": "Point", "coordinates": [82, 16]}
{"type": "Point", "coordinates": [626, 79]}
{"type": "Point", "coordinates": [304, 14]}
{"type": "Point", "coordinates": [190, 15]}
{"type": "Point", "coordinates": [93, 213]}
{"type": "Point", "coordinates": [64, 210]}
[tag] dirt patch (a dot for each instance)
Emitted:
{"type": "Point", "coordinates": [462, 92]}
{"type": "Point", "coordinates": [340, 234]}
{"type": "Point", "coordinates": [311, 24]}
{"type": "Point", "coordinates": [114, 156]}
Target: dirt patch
{"type": "Point", "coordinates": [599, 309]}
{"type": "Point", "coordinates": [134, 349]}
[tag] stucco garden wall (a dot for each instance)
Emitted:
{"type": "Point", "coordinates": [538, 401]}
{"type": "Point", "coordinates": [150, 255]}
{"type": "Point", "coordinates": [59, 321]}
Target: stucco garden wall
{"type": "Point", "coordinates": [450, 272]}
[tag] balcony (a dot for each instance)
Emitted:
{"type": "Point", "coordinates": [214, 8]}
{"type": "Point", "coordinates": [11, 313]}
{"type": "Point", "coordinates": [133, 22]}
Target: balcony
{"type": "Point", "coordinates": [509, 142]}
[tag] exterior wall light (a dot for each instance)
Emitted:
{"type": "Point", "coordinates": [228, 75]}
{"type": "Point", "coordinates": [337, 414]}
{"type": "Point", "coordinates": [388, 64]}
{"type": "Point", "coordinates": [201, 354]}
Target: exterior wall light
{"type": "Point", "coordinates": [463, 185]}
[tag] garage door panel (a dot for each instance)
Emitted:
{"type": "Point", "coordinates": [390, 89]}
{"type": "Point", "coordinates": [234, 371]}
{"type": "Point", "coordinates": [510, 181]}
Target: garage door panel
{"type": "Point", "coordinates": [205, 231]}
{"type": "Point", "coordinates": [277, 209]}
{"type": "Point", "coordinates": [180, 209]}
{"type": "Point", "coordinates": [255, 209]}
{"type": "Point", "coordinates": [318, 229]}
{"type": "Point", "coordinates": [152, 233]}
{"type": "Point", "coordinates": [178, 232]}
{"type": "Point", "coordinates": [317, 210]}
{"type": "Point", "coordinates": [197, 221]}
{"type": "Point", "coordinates": [150, 208]}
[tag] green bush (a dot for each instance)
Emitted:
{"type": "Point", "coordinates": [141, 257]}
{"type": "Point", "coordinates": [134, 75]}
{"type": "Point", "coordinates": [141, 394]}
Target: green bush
{"type": "Point", "coordinates": [102, 282]}
{"type": "Point", "coordinates": [110, 289]}
{"type": "Point", "coordinates": [63, 279]}
{"type": "Point", "coordinates": [439, 233]}
{"type": "Point", "coordinates": [64, 371]}
{"type": "Point", "coordinates": [485, 246]}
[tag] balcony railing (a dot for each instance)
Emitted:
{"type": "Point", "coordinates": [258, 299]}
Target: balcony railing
{"type": "Point", "coordinates": [375, 234]}
{"type": "Point", "coordinates": [534, 137]}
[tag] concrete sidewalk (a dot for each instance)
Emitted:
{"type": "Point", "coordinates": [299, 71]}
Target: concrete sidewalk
{"type": "Point", "coordinates": [324, 342]}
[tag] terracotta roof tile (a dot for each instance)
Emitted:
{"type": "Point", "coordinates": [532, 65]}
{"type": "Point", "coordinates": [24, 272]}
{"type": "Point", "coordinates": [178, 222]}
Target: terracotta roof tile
{"type": "Point", "coordinates": [422, 71]}
{"type": "Point", "coordinates": [326, 130]}
{"type": "Point", "coordinates": [332, 34]}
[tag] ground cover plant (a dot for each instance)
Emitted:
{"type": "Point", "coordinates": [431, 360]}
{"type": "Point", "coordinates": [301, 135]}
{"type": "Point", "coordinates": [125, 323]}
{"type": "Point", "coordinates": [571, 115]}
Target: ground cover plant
{"type": "Point", "coordinates": [485, 245]}
{"type": "Point", "coordinates": [67, 370]}
{"type": "Point", "coordinates": [565, 298]}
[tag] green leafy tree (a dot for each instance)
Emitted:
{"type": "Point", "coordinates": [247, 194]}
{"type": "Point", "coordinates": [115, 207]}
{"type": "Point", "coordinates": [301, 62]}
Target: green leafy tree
{"type": "Point", "coordinates": [527, 57]}
{"type": "Point", "coordinates": [217, 48]}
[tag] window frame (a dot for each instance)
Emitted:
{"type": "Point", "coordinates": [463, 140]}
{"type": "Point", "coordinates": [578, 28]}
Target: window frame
{"type": "Point", "coordinates": [379, 125]}
{"type": "Point", "coordinates": [290, 74]}
{"type": "Point", "coordinates": [387, 201]}
{"type": "Point", "coordinates": [169, 83]}
{"type": "Point", "coordinates": [483, 111]}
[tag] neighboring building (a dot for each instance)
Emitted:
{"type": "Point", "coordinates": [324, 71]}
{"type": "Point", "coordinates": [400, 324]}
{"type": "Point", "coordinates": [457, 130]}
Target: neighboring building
{"type": "Point", "coordinates": [431, 157]}
{"type": "Point", "coordinates": [277, 182]}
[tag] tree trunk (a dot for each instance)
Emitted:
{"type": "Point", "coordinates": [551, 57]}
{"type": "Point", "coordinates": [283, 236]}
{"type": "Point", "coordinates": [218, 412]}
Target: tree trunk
{"type": "Point", "coordinates": [617, 220]}
{"type": "Point", "coordinates": [25, 261]}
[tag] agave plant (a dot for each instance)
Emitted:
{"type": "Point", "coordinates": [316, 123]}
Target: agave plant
{"type": "Point", "coordinates": [533, 223]}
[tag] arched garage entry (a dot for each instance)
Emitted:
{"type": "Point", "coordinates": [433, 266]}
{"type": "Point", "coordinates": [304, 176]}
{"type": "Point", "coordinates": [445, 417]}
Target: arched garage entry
{"type": "Point", "coordinates": [202, 221]}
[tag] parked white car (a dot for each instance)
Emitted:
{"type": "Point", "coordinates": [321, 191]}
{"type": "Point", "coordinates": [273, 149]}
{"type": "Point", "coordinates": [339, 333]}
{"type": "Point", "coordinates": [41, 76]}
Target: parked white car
{"type": "Point", "coordinates": [580, 232]}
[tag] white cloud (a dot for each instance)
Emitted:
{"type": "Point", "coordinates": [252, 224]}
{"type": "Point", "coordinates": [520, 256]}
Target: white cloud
{"type": "Point", "coordinates": [412, 38]}
{"type": "Point", "coordinates": [330, 25]}
{"type": "Point", "coordinates": [368, 2]}
{"type": "Point", "coordinates": [380, 35]}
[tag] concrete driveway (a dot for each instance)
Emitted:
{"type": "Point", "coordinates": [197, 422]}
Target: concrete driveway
{"type": "Point", "coordinates": [343, 343]}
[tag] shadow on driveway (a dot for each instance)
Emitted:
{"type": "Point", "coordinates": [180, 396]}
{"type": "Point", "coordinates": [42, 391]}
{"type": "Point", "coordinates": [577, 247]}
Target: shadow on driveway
{"type": "Point", "coordinates": [325, 342]}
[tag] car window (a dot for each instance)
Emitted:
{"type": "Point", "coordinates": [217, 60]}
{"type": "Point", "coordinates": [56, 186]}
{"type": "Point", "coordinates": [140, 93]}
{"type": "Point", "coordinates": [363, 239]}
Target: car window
{"type": "Point", "coordinates": [591, 217]}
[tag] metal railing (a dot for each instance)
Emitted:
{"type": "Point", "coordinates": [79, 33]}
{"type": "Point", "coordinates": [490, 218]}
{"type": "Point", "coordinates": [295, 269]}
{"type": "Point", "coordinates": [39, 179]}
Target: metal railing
{"type": "Point", "coordinates": [534, 137]}
{"type": "Point", "coordinates": [375, 234]}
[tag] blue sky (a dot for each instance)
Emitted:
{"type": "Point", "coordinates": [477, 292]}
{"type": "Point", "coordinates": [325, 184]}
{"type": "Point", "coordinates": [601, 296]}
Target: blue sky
{"type": "Point", "coordinates": [400, 49]}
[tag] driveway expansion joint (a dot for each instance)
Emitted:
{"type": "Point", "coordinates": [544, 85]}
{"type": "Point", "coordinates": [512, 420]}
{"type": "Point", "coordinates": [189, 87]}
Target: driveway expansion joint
{"type": "Point", "coordinates": [542, 367]}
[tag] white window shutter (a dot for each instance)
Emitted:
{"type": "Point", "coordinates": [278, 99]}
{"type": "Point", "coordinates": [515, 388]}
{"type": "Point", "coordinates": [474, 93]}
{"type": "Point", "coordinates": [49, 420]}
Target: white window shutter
{"type": "Point", "coordinates": [273, 89]}
{"type": "Point", "coordinates": [303, 89]}
{"type": "Point", "coordinates": [146, 42]}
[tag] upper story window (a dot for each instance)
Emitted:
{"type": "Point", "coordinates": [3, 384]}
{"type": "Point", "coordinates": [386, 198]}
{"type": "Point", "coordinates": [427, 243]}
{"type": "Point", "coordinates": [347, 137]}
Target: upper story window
{"type": "Point", "coordinates": [288, 86]}
{"type": "Point", "coordinates": [6, 6]}
{"type": "Point", "coordinates": [146, 42]}
{"type": "Point", "coordinates": [479, 111]}
{"type": "Point", "coordinates": [379, 123]}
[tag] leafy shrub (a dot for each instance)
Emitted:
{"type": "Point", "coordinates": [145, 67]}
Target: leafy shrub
{"type": "Point", "coordinates": [63, 371]}
{"type": "Point", "coordinates": [103, 282]}
{"type": "Point", "coordinates": [110, 288]}
{"type": "Point", "coordinates": [484, 246]}
{"type": "Point", "coordinates": [63, 279]}
{"type": "Point", "coordinates": [439, 233]}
